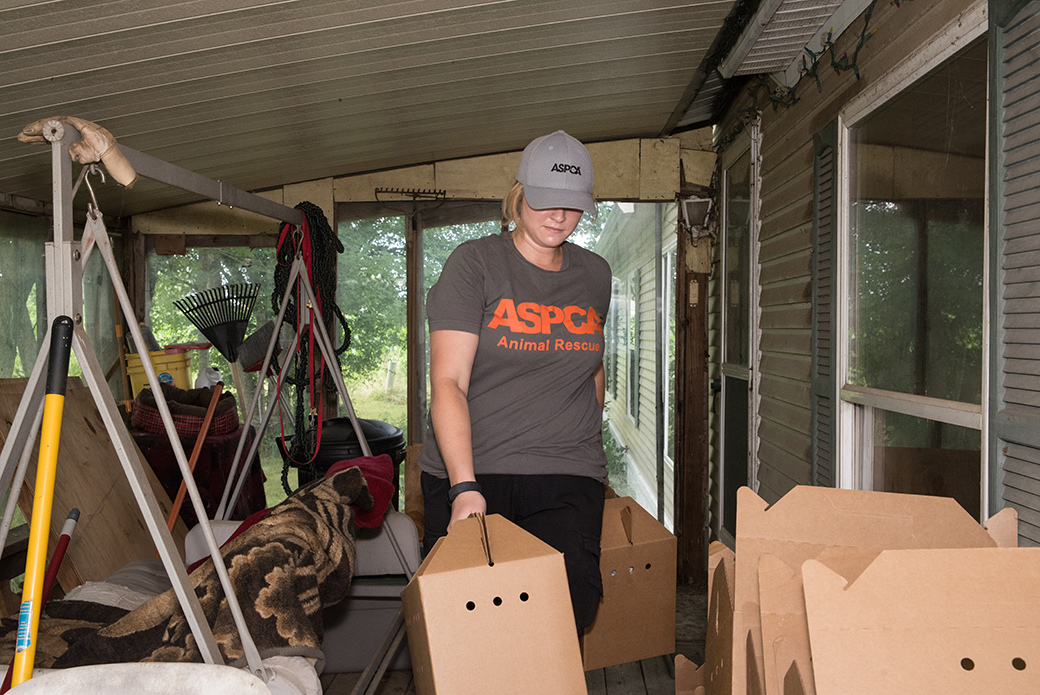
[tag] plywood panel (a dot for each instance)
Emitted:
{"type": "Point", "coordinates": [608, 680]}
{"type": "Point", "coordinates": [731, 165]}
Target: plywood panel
{"type": "Point", "coordinates": [480, 177]}
{"type": "Point", "coordinates": [362, 188]}
{"type": "Point", "coordinates": [320, 192]}
{"type": "Point", "coordinates": [658, 169]}
{"type": "Point", "coordinates": [616, 165]}
{"type": "Point", "coordinates": [111, 531]}
{"type": "Point", "coordinates": [697, 166]}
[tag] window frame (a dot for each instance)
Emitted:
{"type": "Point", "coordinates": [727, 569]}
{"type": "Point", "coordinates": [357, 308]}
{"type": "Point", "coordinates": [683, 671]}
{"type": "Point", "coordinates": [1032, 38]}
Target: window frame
{"type": "Point", "coordinates": [633, 294]}
{"type": "Point", "coordinates": [855, 403]}
{"type": "Point", "coordinates": [749, 141]}
{"type": "Point", "coordinates": [668, 260]}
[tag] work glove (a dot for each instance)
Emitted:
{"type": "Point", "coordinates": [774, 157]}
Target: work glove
{"type": "Point", "coordinates": [96, 145]}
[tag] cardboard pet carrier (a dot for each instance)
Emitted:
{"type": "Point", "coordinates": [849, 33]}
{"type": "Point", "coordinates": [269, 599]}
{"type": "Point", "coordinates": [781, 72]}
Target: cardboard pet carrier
{"type": "Point", "coordinates": [489, 611]}
{"type": "Point", "coordinates": [636, 617]}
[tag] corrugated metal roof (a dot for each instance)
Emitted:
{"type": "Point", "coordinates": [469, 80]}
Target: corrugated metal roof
{"type": "Point", "coordinates": [260, 94]}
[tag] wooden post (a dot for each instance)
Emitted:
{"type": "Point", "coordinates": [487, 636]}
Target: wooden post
{"type": "Point", "coordinates": [135, 262]}
{"type": "Point", "coordinates": [691, 412]}
{"type": "Point", "coordinates": [416, 308]}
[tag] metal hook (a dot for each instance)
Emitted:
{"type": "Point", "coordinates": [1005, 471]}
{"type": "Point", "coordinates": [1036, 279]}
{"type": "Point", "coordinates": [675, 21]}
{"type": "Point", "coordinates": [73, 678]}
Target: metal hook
{"type": "Point", "coordinates": [93, 169]}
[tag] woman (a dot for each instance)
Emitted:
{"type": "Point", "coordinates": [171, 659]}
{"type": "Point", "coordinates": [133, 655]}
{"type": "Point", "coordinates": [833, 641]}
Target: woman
{"type": "Point", "coordinates": [516, 372]}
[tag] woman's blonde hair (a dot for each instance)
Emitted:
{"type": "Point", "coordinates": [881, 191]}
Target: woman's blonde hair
{"type": "Point", "coordinates": [511, 208]}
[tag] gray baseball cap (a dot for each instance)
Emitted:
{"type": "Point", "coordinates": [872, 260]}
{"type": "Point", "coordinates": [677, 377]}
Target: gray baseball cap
{"type": "Point", "coordinates": [556, 171]}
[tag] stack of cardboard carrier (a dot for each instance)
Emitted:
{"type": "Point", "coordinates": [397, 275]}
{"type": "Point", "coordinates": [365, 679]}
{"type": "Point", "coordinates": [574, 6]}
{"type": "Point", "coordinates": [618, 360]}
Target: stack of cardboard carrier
{"type": "Point", "coordinates": [848, 592]}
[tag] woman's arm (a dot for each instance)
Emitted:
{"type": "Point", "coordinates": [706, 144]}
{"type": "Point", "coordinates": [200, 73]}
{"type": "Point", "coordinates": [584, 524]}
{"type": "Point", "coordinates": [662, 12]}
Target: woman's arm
{"type": "Point", "coordinates": [451, 362]}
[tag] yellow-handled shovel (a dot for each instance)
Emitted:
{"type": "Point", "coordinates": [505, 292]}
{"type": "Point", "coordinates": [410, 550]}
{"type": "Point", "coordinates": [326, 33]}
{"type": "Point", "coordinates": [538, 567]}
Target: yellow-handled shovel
{"type": "Point", "coordinates": [39, 525]}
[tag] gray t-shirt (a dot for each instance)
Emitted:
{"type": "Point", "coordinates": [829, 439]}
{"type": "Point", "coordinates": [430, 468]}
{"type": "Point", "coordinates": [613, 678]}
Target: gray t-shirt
{"type": "Point", "coordinates": [532, 394]}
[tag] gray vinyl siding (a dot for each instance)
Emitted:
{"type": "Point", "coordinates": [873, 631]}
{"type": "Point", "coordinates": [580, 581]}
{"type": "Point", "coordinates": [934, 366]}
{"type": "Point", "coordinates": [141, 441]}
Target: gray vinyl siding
{"type": "Point", "coordinates": [1016, 324]}
{"type": "Point", "coordinates": [786, 426]}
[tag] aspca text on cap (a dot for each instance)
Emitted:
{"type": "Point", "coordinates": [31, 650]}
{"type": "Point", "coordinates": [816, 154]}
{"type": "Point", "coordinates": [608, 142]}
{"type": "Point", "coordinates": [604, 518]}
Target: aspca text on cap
{"type": "Point", "coordinates": [566, 168]}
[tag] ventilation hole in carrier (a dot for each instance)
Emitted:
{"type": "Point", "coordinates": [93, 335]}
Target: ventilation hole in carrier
{"type": "Point", "coordinates": [497, 601]}
{"type": "Point", "coordinates": [648, 565]}
{"type": "Point", "coordinates": [524, 596]}
{"type": "Point", "coordinates": [1019, 664]}
{"type": "Point", "coordinates": [470, 605]}
{"type": "Point", "coordinates": [631, 570]}
{"type": "Point", "coordinates": [613, 573]}
{"type": "Point", "coordinates": [967, 664]}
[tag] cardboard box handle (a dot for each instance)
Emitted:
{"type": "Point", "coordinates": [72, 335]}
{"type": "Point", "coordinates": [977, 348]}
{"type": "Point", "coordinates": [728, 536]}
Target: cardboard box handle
{"type": "Point", "coordinates": [626, 521]}
{"type": "Point", "coordinates": [485, 540]}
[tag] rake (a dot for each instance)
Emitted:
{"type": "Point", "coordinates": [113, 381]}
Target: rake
{"type": "Point", "coordinates": [222, 315]}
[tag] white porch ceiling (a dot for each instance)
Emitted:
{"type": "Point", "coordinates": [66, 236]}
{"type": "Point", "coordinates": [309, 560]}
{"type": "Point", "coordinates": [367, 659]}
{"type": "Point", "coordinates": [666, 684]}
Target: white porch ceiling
{"type": "Point", "coordinates": [261, 94]}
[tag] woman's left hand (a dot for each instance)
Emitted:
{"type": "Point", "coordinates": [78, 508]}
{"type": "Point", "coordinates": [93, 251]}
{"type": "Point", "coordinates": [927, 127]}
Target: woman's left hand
{"type": "Point", "coordinates": [465, 505]}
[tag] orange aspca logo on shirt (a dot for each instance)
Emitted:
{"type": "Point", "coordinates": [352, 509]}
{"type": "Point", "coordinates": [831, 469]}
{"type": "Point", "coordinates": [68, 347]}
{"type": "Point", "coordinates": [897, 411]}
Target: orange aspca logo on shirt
{"type": "Point", "coordinates": [531, 317]}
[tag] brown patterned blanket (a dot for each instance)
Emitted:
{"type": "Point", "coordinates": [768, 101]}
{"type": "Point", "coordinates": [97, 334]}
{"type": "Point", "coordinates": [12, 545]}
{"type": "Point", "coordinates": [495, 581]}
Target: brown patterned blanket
{"type": "Point", "coordinates": [285, 569]}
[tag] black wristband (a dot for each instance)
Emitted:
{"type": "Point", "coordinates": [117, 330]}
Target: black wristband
{"type": "Point", "coordinates": [458, 488]}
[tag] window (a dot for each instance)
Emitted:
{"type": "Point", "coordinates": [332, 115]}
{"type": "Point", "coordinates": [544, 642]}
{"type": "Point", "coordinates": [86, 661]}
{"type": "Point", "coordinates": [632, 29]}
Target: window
{"type": "Point", "coordinates": [371, 293]}
{"type": "Point", "coordinates": [736, 277]}
{"type": "Point", "coordinates": [668, 277]}
{"type": "Point", "coordinates": [638, 240]}
{"type": "Point", "coordinates": [23, 300]}
{"type": "Point", "coordinates": [915, 240]}
{"type": "Point", "coordinates": [23, 284]}
{"type": "Point", "coordinates": [666, 349]}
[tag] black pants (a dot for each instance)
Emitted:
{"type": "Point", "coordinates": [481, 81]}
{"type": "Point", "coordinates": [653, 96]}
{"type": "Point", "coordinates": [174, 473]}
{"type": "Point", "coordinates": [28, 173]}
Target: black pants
{"type": "Point", "coordinates": [564, 511]}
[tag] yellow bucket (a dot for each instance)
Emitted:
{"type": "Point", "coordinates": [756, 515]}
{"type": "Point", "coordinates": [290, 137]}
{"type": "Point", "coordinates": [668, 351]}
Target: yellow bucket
{"type": "Point", "coordinates": [170, 368]}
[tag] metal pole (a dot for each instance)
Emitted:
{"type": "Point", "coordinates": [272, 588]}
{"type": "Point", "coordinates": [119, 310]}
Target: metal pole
{"type": "Point", "coordinates": [225, 194]}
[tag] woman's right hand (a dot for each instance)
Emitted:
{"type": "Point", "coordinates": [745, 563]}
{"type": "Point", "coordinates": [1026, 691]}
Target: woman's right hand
{"type": "Point", "coordinates": [465, 505]}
